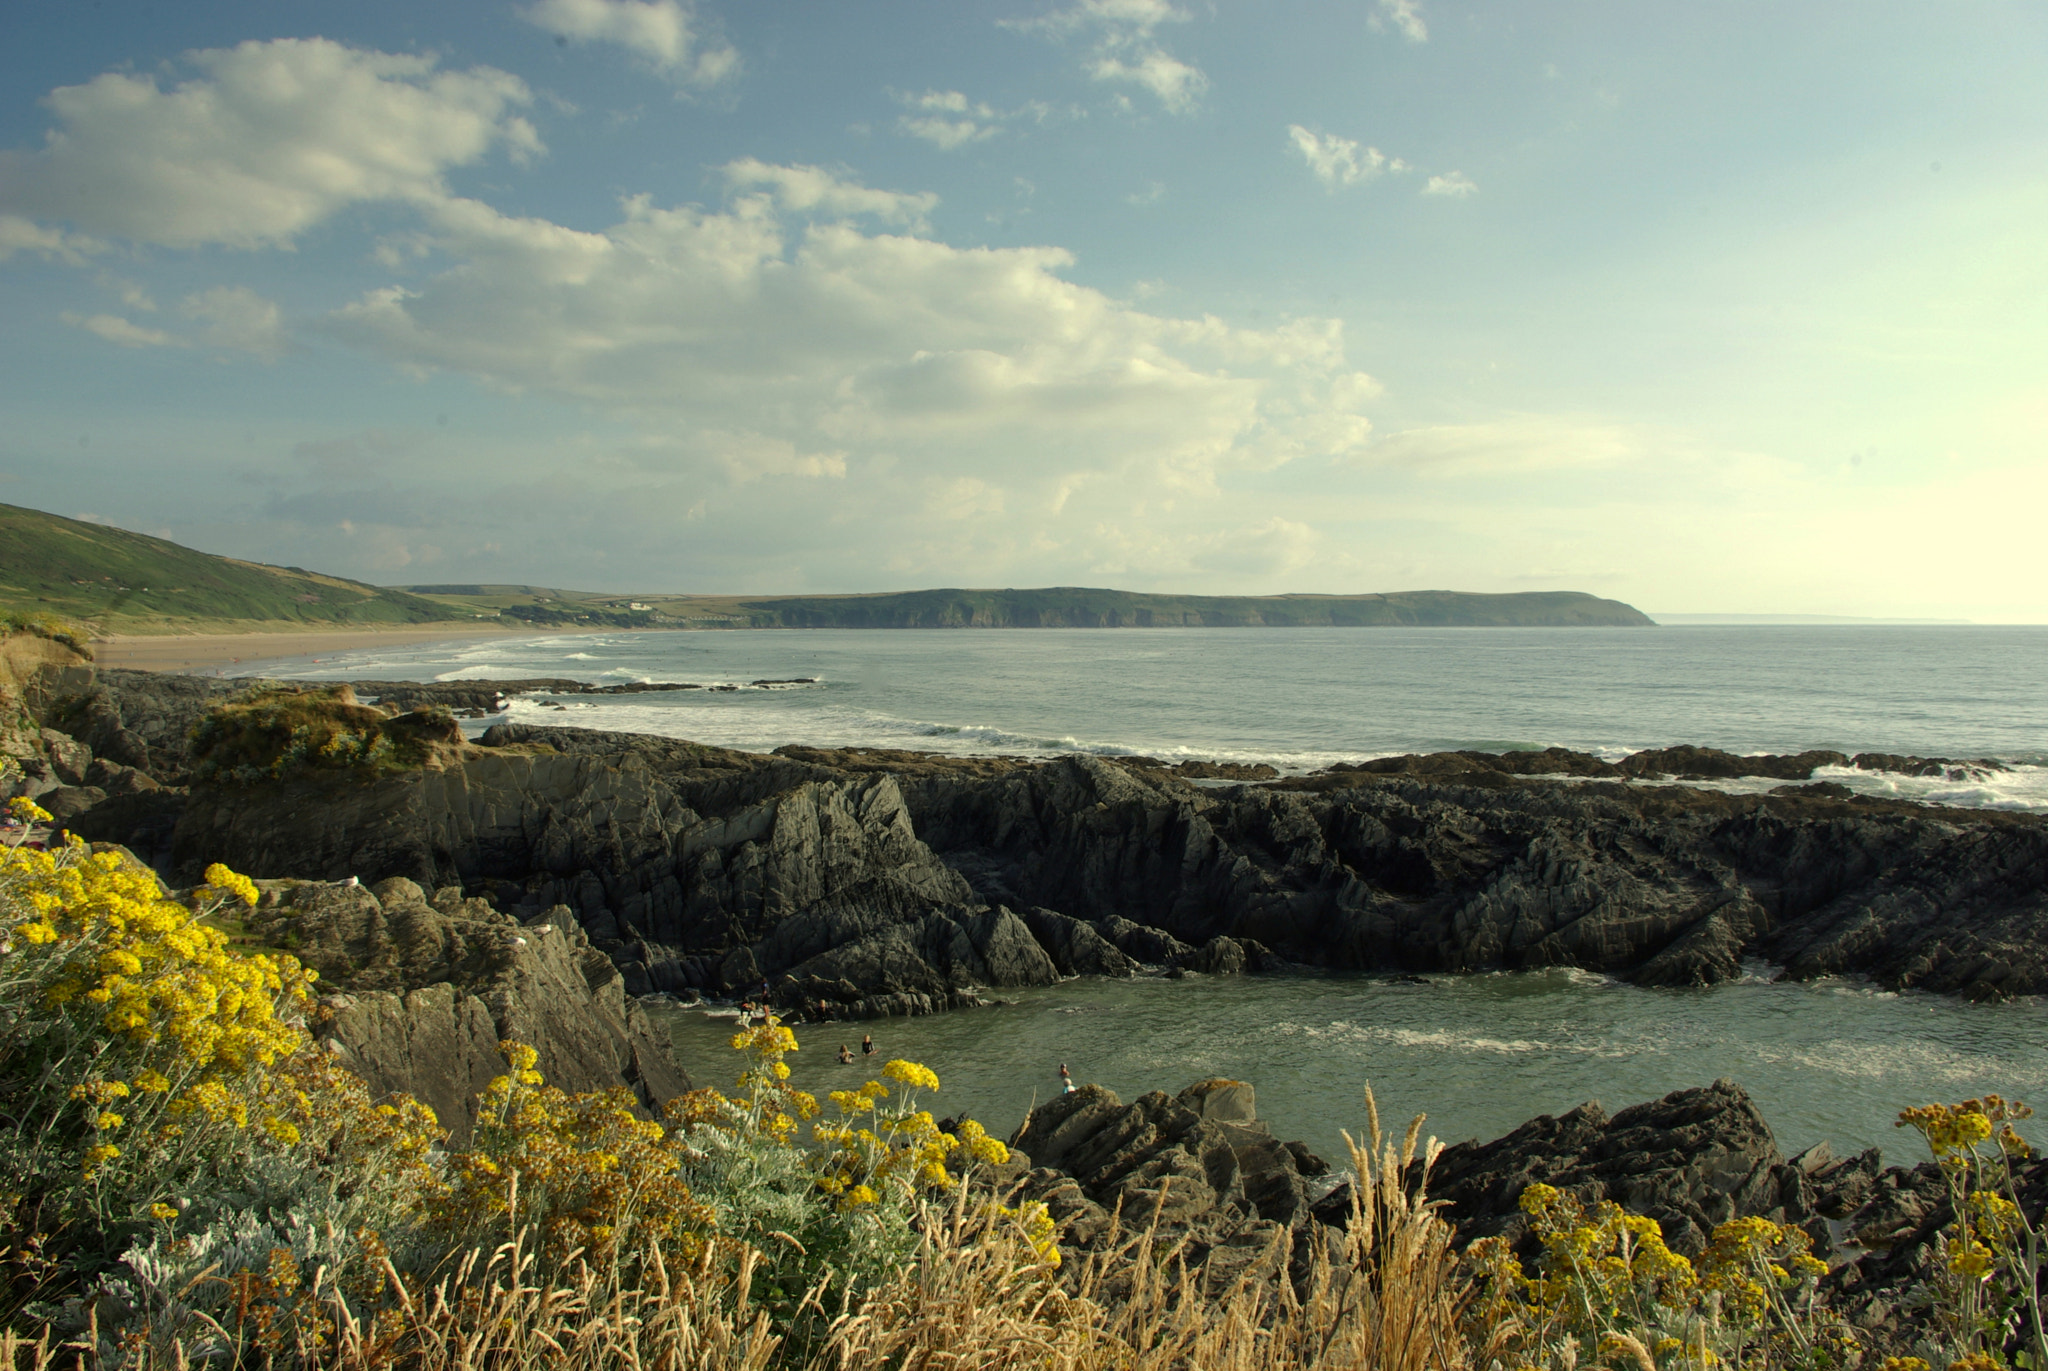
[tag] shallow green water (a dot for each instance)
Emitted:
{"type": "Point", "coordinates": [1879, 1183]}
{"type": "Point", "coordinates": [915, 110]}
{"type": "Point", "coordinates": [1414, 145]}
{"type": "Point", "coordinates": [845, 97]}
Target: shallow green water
{"type": "Point", "coordinates": [1478, 1054]}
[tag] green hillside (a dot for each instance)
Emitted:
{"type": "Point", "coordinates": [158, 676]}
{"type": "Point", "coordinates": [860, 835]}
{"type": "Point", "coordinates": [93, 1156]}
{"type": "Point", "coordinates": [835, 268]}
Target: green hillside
{"type": "Point", "coordinates": [1075, 607]}
{"type": "Point", "coordinates": [1059, 607]}
{"type": "Point", "coordinates": [122, 582]}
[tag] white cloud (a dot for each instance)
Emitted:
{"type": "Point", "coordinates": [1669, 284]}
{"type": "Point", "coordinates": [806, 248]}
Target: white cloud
{"type": "Point", "coordinates": [1405, 15]}
{"type": "Point", "coordinates": [807, 190]}
{"type": "Point", "coordinates": [238, 319]}
{"type": "Point", "coordinates": [25, 235]}
{"type": "Point", "coordinates": [1456, 185]}
{"type": "Point", "coordinates": [1123, 48]}
{"type": "Point", "coordinates": [1259, 551]}
{"type": "Point", "coordinates": [1178, 85]}
{"type": "Point", "coordinates": [1522, 443]}
{"type": "Point", "coordinates": [271, 139]}
{"type": "Point", "coordinates": [661, 31]}
{"type": "Point", "coordinates": [1340, 161]}
{"type": "Point", "coordinates": [883, 392]}
{"type": "Point", "coordinates": [128, 334]}
{"type": "Point", "coordinates": [947, 119]}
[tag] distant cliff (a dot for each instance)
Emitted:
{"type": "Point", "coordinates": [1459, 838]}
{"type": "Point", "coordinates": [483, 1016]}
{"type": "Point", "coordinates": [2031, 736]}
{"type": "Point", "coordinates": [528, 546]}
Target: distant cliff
{"type": "Point", "coordinates": [1081, 607]}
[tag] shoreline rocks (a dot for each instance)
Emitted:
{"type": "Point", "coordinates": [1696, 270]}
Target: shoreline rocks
{"type": "Point", "coordinates": [859, 882]}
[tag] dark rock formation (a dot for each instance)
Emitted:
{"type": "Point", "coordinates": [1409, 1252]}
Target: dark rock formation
{"type": "Point", "coordinates": [420, 993]}
{"type": "Point", "coordinates": [1223, 1191]}
{"type": "Point", "coordinates": [1694, 1159]}
{"type": "Point", "coordinates": [876, 881]}
{"type": "Point", "coordinates": [143, 719]}
{"type": "Point", "coordinates": [1233, 1200]}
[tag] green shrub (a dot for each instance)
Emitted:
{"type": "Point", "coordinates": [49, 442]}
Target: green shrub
{"type": "Point", "coordinates": [274, 731]}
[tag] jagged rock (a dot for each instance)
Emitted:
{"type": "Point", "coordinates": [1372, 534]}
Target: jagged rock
{"type": "Point", "coordinates": [1077, 949]}
{"type": "Point", "coordinates": [677, 858]}
{"type": "Point", "coordinates": [66, 803]}
{"type": "Point", "coordinates": [1200, 1167]}
{"type": "Point", "coordinates": [143, 719]}
{"type": "Point", "coordinates": [425, 994]}
{"type": "Point", "coordinates": [1708, 763]}
{"type": "Point", "coordinates": [1220, 956]}
{"type": "Point", "coordinates": [30, 776]}
{"type": "Point", "coordinates": [1947, 767]}
{"type": "Point", "coordinates": [69, 758]}
{"type": "Point", "coordinates": [116, 779]}
{"type": "Point", "coordinates": [1692, 1160]}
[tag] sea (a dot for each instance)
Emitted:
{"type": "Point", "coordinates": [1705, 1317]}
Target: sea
{"type": "Point", "coordinates": [1833, 1060]}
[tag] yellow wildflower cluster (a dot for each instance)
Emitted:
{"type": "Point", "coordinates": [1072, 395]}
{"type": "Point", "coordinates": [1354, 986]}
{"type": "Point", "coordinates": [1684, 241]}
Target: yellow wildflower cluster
{"type": "Point", "coordinates": [1602, 1263]}
{"type": "Point", "coordinates": [1034, 1220]}
{"type": "Point", "coordinates": [587, 1170]}
{"type": "Point", "coordinates": [1991, 1254]}
{"type": "Point", "coordinates": [1953, 1131]}
{"type": "Point", "coordinates": [135, 997]}
{"type": "Point", "coordinates": [26, 811]}
{"type": "Point", "coordinates": [899, 1148]}
{"type": "Point", "coordinates": [1608, 1286]}
{"type": "Point", "coordinates": [1752, 1261]}
{"type": "Point", "coordinates": [150, 1046]}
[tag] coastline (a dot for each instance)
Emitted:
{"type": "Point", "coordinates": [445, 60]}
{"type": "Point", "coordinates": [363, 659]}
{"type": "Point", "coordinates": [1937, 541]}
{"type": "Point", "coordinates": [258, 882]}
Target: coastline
{"type": "Point", "coordinates": [226, 654]}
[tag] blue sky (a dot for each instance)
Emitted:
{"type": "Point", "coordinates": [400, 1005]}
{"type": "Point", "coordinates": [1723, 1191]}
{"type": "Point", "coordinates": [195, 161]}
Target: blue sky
{"type": "Point", "coordinates": [1736, 308]}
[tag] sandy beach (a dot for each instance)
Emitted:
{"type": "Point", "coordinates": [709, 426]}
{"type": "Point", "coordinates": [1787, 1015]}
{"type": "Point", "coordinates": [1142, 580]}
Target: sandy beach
{"type": "Point", "coordinates": [237, 654]}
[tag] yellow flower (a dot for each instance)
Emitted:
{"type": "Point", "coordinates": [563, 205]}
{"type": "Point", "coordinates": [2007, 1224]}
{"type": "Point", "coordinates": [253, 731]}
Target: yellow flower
{"type": "Point", "coordinates": [163, 1211]}
{"type": "Point", "coordinates": [912, 1074]}
{"type": "Point", "coordinates": [27, 810]}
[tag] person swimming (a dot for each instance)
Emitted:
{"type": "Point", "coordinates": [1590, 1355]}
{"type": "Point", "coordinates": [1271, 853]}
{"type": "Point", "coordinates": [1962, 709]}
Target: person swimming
{"type": "Point", "coordinates": [1067, 1086]}
{"type": "Point", "coordinates": [867, 1045]}
{"type": "Point", "coordinates": [845, 1055]}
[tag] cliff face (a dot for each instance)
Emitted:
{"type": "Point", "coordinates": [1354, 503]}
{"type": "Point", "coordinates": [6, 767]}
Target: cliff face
{"type": "Point", "coordinates": [885, 883]}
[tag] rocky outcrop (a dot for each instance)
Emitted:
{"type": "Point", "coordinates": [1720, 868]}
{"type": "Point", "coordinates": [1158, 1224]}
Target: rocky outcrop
{"type": "Point", "coordinates": [419, 993]}
{"type": "Point", "coordinates": [873, 881]}
{"type": "Point", "coordinates": [1223, 1194]}
{"type": "Point", "coordinates": [142, 719]}
{"type": "Point", "coordinates": [1692, 1160]}
{"type": "Point", "coordinates": [1199, 1167]}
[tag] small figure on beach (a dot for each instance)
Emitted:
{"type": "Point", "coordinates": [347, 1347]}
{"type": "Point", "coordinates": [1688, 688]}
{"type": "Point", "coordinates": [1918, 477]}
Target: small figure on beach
{"type": "Point", "coordinates": [845, 1055]}
{"type": "Point", "coordinates": [1067, 1086]}
{"type": "Point", "coordinates": [867, 1045]}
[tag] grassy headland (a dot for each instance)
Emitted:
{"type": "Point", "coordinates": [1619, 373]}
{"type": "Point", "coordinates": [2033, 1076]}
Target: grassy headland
{"type": "Point", "coordinates": [1053, 607]}
{"type": "Point", "coordinates": [120, 582]}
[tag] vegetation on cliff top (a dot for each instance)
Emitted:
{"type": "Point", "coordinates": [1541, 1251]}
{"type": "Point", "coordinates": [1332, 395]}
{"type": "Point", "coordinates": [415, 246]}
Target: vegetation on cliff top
{"type": "Point", "coordinates": [191, 1179]}
{"type": "Point", "coordinates": [1054, 607]}
{"type": "Point", "coordinates": [124, 582]}
{"type": "Point", "coordinates": [275, 731]}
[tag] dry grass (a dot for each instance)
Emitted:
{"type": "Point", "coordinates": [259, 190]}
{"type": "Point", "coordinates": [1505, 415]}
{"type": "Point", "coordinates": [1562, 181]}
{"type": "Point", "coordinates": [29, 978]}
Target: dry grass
{"type": "Point", "coordinates": [1385, 1294]}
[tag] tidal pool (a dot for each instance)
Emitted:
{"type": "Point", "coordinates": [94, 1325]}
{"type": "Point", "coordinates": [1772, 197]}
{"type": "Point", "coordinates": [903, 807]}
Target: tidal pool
{"type": "Point", "coordinates": [1479, 1054]}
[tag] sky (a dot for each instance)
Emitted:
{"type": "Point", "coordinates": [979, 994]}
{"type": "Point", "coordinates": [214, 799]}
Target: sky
{"type": "Point", "coordinates": [1735, 308]}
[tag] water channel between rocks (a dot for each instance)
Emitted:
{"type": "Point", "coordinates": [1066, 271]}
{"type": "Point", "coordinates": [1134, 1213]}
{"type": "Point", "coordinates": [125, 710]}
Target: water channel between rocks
{"type": "Point", "coordinates": [1478, 1054]}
